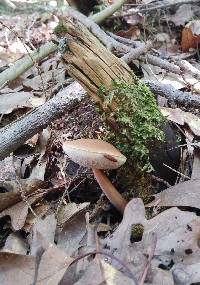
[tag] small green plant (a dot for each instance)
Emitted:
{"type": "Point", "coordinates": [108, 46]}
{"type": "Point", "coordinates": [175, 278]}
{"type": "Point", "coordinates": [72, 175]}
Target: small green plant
{"type": "Point", "coordinates": [137, 117]}
{"type": "Point", "coordinates": [60, 29]}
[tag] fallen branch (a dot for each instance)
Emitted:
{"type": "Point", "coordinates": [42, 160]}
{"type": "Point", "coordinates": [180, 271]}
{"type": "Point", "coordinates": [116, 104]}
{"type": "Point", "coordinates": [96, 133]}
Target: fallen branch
{"type": "Point", "coordinates": [25, 63]}
{"type": "Point", "coordinates": [16, 133]}
{"type": "Point", "coordinates": [107, 12]}
{"type": "Point", "coordinates": [186, 99]}
{"type": "Point", "coordinates": [158, 7]}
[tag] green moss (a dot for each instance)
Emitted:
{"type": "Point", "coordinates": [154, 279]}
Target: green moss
{"type": "Point", "coordinates": [60, 29]}
{"type": "Point", "coordinates": [138, 119]}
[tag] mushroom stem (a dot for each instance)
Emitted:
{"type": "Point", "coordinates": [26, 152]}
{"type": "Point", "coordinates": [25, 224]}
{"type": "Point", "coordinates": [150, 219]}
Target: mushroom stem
{"type": "Point", "coordinates": [109, 190]}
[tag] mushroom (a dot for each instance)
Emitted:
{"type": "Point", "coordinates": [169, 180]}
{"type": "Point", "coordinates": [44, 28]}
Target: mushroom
{"type": "Point", "coordinates": [98, 155]}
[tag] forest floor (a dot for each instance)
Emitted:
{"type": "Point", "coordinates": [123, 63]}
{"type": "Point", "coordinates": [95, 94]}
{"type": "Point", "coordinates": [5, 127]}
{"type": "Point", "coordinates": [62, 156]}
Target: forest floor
{"type": "Point", "coordinates": [56, 226]}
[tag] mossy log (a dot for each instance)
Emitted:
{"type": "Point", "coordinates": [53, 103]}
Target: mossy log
{"type": "Point", "coordinates": [127, 105]}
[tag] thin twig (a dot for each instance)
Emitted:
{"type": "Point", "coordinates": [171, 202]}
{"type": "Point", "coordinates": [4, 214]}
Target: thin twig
{"type": "Point", "coordinates": [23, 196]}
{"type": "Point", "coordinates": [183, 175]}
{"type": "Point", "coordinates": [161, 180]}
{"type": "Point", "coordinates": [129, 273]}
{"type": "Point", "coordinates": [29, 54]}
{"type": "Point", "coordinates": [151, 251]}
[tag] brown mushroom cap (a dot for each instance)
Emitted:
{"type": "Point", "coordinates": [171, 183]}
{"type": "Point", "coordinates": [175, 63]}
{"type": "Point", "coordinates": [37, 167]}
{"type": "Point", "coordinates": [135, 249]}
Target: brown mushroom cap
{"type": "Point", "coordinates": [94, 153]}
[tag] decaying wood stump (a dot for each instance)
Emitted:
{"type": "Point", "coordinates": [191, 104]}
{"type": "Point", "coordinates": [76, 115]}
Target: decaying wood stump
{"type": "Point", "coordinates": [127, 105]}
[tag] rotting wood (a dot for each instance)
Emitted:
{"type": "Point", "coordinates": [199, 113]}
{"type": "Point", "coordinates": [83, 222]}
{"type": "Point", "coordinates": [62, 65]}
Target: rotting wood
{"type": "Point", "coordinates": [134, 122]}
{"type": "Point", "coordinates": [96, 68]}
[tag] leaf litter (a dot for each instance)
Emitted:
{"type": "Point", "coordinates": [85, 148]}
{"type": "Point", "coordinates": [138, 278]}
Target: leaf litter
{"type": "Point", "coordinates": [44, 245]}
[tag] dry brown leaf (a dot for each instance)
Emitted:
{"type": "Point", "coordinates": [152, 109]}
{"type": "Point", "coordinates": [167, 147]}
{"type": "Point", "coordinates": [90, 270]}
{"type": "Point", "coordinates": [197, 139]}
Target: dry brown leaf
{"type": "Point", "coordinates": [132, 33]}
{"type": "Point", "coordinates": [15, 244]}
{"type": "Point", "coordinates": [190, 35]}
{"type": "Point", "coordinates": [16, 269]}
{"type": "Point", "coordinates": [43, 234]}
{"type": "Point", "coordinates": [177, 235]}
{"type": "Point", "coordinates": [7, 90]}
{"type": "Point", "coordinates": [134, 214]}
{"type": "Point", "coordinates": [52, 267]}
{"type": "Point", "coordinates": [70, 237]}
{"type": "Point", "coordinates": [120, 243]}
{"type": "Point", "coordinates": [33, 141]}
{"type": "Point", "coordinates": [103, 273]}
{"type": "Point", "coordinates": [43, 81]}
{"type": "Point", "coordinates": [68, 211]}
{"type": "Point", "coordinates": [19, 211]}
{"type": "Point", "coordinates": [155, 73]}
{"type": "Point", "coordinates": [160, 277]}
{"type": "Point", "coordinates": [11, 101]}
{"type": "Point", "coordinates": [38, 171]}
{"type": "Point", "coordinates": [177, 231]}
{"type": "Point", "coordinates": [180, 117]}
{"type": "Point", "coordinates": [146, 1]}
{"type": "Point", "coordinates": [50, 64]}
{"type": "Point", "coordinates": [26, 186]}
{"type": "Point", "coordinates": [31, 219]}
{"type": "Point", "coordinates": [182, 194]}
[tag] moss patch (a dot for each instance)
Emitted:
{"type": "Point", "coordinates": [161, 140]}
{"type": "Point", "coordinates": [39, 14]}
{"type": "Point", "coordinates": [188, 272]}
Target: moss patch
{"type": "Point", "coordinates": [137, 116]}
{"type": "Point", "coordinates": [60, 29]}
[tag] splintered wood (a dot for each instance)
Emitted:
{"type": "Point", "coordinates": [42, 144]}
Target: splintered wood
{"type": "Point", "coordinates": [89, 62]}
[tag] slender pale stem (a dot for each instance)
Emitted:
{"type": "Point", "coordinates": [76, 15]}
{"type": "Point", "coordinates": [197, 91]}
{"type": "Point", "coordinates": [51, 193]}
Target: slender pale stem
{"type": "Point", "coordinates": [110, 191]}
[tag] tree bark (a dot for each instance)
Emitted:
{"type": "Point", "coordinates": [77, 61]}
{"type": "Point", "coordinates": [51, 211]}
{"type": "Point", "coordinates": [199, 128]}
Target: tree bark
{"type": "Point", "coordinates": [16, 133]}
{"type": "Point", "coordinates": [23, 64]}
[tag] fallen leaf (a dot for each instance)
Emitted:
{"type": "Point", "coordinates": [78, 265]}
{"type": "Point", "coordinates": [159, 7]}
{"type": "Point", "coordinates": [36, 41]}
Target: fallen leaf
{"type": "Point", "coordinates": [31, 219]}
{"type": "Point", "coordinates": [28, 187]}
{"type": "Point", "coordinates": [69, 211]}
{"type": "Point", "coordinates": [120, 242]}
{"type": "Point", "coordinates": [180, 117]}
{"type": "Point", "coordinates": [160, 277]}
{"type": "Point", "coordinates": [16, 269]}
{"type": "Point", "coordinates": [38, 171]}
{"type": "Point", "coordinates": [183, 194]}
{"type": "Point", "coordinates": [134, 214]}
{"type": "Point", "coordinates": [134, 18]}
{"type": "Point", "coordinates": [70, 237]}
{"type": "Point", "coordinates": [190, 35]}
{"type": "Point", "coordinates": [132, 33]}
{"type": "Point", "coordinates": [42, 81]}
{"type": "Point", "coordinates": [103, 273]}
{"type": "Point", "coordinates": [15, 244]}
{"type": "Point", "coordinates": [50, 64]}
{"type": "Point", "coordinates": [156, 73]}
{"type": "Point", "coordinates": [177, 231]}
{"type": "Point", "coordinates": [186, 274]}
{"type": "Point", "coordinates": [52, 267]}
{"type": "Point", "coordinates": [11, 101]}
{"type": "Point", "coordinates": [19, 211]}
{"type": "Point", "coordinates": [177, 235]}
{"type": "Point", "coordinates": [43, 234]}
